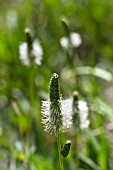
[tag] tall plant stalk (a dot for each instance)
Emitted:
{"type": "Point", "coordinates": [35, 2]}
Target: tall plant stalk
{"type": "Point", "coordinates": [59, 150]}
{"type": "Point", "coordinates": [56, 114]}
{"type": "Point", "coordinates": [76, 152]}
{"type": "Point", "coordinates": [76, 121]}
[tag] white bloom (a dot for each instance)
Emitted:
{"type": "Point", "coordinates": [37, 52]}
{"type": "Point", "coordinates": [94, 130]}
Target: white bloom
{"type": "Point", "coordinates": [36, 52]}
{"type": "Point", "coordinates": [52, 121]}
{"type": "Point", "coordinates": [23, 51]}
{"type": "Point", "coordinates": [75, 39]}
{"type": "Point", "coordinates": [64, 42]}
{"type": "Point", "coordinates": [66, 110]}
{"type": "Point", "coordinates": [83, 114]}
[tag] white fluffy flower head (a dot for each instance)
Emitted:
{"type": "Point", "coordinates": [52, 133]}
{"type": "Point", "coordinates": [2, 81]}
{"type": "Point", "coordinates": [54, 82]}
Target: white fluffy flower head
{"type": "Point", "coordinates": [30, 51]}
{"type": "Point", "coordinates": [83, 114]}
{"type": "Point", "coordinates": [80, 111]}
{"type": "Point", "coordinates": [74, 39]}
{"type": "Point", "coordinates": [56, 113]}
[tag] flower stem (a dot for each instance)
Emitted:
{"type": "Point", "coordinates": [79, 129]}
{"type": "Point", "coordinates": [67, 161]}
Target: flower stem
{"type": "Point", "coordinates": [76, 152]}
{"type": "Point", "coordinates": [59, 150]}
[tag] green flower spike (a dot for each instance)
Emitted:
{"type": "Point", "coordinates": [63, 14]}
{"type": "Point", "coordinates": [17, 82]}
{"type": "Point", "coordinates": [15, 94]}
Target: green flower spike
{"type": "Point", "coordinates": [66, 148]}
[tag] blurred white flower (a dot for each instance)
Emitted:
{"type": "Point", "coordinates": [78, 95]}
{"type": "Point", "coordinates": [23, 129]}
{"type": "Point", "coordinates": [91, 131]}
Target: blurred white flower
{"type": "Point", "coordinates": [80, 112]}
{"type": "Point", "coordinates": [23, 53]}
{"type": "Point", "coordinates": [74, 39]}
{"type": "Point", "coordinates": [83, 114]}
{"type": "Point", "coordinates": [36, 53]}
{"type": "Point", "coordinates": [11, 19]}
{"type": "Point", "coordinates": [51, 117]}
{"type": "Point", "coordinates": [64, 42]}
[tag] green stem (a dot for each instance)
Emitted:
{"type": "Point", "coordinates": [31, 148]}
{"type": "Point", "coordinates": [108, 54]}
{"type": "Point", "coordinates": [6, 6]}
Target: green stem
{"type": "Point", "coordinates": [59, 150]}
{"type": "Point", "coordinates": [76, 152]}
{"type": "Point", "coordinates": [31, 85]}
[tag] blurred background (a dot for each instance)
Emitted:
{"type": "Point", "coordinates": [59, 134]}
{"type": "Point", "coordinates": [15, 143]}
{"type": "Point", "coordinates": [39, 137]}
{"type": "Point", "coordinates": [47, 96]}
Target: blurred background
{"type": "Point", "coordinates": [73, 38]}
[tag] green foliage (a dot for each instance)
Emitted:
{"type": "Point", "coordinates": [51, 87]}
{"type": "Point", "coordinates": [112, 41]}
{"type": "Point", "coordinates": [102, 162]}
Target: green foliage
{"type": "Point", "coordinates": [87, 68]}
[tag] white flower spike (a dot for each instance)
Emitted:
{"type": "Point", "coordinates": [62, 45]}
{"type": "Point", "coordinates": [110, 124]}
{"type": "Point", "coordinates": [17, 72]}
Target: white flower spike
{"type": "Point", "coordinates": [80, 112]}
{"type": "Point", "coordinates": [30, 51]}
{"type": "Point", "coordinates": [74, 39]}
{"type": "Point", "coordinates": [83, 114]}
{"type": "Point", "coordinates": [56, 113]}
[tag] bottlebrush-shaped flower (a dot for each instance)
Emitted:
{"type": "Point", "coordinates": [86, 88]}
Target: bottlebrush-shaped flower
{"type": "Point", "coordinates": [56, 113]}
{"type": "Point", "coordinates": [30, 51]}
{"type": "Point", "coordinates": [80, 112]}
{"type": "Point", "coordinates": [83, 114]}
{"type": "Point", "coordinates": [74, 39]}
